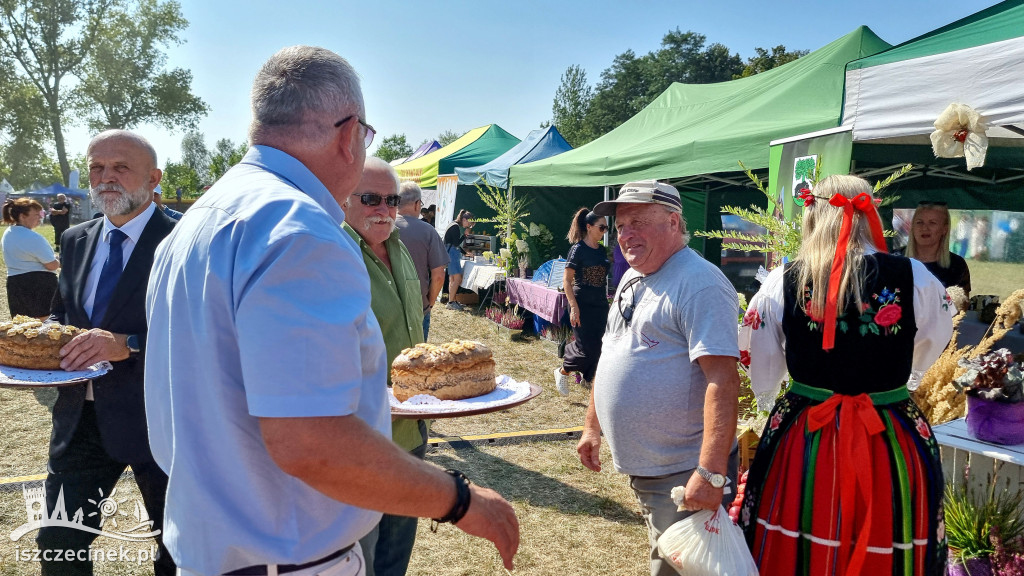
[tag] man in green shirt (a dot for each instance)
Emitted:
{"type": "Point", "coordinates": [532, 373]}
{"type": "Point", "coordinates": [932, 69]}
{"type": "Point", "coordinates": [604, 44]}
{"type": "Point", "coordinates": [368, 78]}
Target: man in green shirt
{"type": "Point", "coordinates": [397, 303]}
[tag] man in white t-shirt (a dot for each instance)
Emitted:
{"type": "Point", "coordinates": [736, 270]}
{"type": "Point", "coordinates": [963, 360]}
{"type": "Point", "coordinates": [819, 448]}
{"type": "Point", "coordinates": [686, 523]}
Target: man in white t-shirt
{"type": "Point", "coordinates": [673, 322]}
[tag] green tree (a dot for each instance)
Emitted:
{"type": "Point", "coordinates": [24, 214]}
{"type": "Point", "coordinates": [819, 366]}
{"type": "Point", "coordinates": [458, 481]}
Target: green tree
{"type": "Point", "coordinates": [572, 102]}
{"type": "Point", "coordinates": [225, 154]}
{"type": "Point", "coordinates": [180, 175]}
{"type": "Point", "coordinates": [49, 40]}
{"type": "Point", "coordinates": [765, 60]}
{"type": "Point", "coordinates": [196, 156]}
{"type": "Point", "coordinates": [447, 137]}
{"type": "Point", "coordinates": [393, 147]}
{"type": "Point", "coordinates": [23, 132]}
{"type": "Point", "coordinates": [124, 82]}
{"type": "Point", "coordinates": [631, 83]}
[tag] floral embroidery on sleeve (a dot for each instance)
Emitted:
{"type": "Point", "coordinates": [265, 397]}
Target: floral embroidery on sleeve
{"type": "Point", "coordinates": [753, 318]}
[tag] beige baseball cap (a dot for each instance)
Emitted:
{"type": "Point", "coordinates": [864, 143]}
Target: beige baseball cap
{"type": "Point", "coordinates": [643, 192]}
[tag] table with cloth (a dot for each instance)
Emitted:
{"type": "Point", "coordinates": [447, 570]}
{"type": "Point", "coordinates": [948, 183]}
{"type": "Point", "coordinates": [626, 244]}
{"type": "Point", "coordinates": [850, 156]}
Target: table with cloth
{"type": "Point", "coordinates": [547, 303]}
{"type": "Point", "coordinates": [478, 277]}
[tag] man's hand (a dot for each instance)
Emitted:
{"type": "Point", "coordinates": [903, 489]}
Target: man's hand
{"type": "Point", "coordinates": [91, 347]}
{"type": "Point", "coordinates": [701, 495]}
{"type": "Point", "coordinates": [589, 449]}
{"type": "Point", "coordinates": [490, 516]}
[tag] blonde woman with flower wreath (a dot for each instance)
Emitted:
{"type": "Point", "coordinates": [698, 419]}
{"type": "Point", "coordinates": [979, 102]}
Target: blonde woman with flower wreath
{"type": "Point", "coordinates": [847, 478]}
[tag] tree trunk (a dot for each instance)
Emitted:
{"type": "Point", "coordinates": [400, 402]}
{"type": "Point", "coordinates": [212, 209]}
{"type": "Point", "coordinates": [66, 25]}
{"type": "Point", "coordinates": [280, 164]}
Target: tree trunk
{"type": "Point", "coordinates": [58, 138]}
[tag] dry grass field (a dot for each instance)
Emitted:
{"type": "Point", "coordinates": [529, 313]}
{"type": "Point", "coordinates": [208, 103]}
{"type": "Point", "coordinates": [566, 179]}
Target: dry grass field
{"type": "Point", "coordinates": [573, 521]}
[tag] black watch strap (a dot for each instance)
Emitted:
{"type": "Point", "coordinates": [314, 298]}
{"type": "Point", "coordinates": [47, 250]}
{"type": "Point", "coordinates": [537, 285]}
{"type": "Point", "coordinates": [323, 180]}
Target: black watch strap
{"type": "Point", "coordinates": [461, 506]}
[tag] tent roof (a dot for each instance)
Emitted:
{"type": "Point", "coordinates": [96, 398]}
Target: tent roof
{"type": "Point", "coordinates": [475, 147]}
{"type": "Point", "coordinates": [57, 188]}
{"type": "Point", "coordinates": [706, 128]}
{"type": "Point", "coordinates": [424, 149]}
{"type": "Point", "coordinates": [994, 24]}
{"type": "Point", "coordinates": [977, 61]}
{"type": "Point", "coordinates": [539, 144]}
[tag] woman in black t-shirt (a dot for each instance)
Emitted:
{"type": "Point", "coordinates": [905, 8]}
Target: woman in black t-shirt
{"type": "Point", "coordinates": [929, 244]}
{"type": "Point", "coordinates": [586, 287]}
{"type": "Point", "coordinates": [454, 236]}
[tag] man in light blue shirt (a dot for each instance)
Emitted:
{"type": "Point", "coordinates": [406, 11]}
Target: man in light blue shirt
{"type": "Point", "coordinates": [265, 375]}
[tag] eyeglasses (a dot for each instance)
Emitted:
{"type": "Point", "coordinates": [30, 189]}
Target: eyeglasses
{"type": "Point", "coordinates": [368, 139]}
{"type": "Point", "coordinates": [602, 227]}
{"type": "Point", "coordinates": [391, 201]}
{"type": "Point", "coordinates": [627, 312]}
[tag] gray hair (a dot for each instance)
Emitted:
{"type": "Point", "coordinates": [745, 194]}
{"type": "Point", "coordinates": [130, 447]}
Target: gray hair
{"type": "Point", "coordinates": [374, 163]}
{"type": "Point", "coordinates": [124, 135]}
{"type": "Point", "coordinates": [300, 92]}
{"type": "Point", "coordinates": [410, 193]}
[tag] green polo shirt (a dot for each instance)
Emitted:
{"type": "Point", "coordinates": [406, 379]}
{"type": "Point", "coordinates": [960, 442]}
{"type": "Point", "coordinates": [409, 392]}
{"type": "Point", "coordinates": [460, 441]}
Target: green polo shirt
{"type": "Point", "coordinates": [398, 305]}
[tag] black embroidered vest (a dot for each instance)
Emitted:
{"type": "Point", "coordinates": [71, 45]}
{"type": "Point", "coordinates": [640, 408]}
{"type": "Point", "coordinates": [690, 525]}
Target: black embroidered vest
{"type": "Point", "coordinates": [874, 347]}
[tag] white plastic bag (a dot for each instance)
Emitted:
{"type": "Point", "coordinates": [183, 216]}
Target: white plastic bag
{"type": "Point", "coordinates": [707, 544]}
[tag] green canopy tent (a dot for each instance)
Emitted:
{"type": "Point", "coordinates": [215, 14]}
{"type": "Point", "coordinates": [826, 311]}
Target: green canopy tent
{"type": "Point", "coordinates": [694, 135]}
{"type": "Point", "coordinates": [476, 147]}
{"type": "Point", "coordinates": [893, 99]}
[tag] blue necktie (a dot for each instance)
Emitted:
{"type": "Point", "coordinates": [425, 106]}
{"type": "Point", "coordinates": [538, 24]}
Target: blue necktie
{"type": "Point", "coordinates": [109, 276]}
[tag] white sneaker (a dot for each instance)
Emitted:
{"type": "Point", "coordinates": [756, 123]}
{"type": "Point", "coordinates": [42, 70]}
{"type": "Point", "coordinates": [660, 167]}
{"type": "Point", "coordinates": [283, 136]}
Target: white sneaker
{"type": "Point", "coordinates": [561, 382]}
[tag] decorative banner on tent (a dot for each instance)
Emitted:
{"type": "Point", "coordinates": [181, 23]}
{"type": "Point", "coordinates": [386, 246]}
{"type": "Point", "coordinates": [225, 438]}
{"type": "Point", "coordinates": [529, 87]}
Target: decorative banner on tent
{"type": "Point", "coordinates": [960, 132]}
{"type": "Point", "coordinates": [793, 160]}
{"type": "Point", "coordinates": [446, 186]}
{"type": "Point", "coordinates": [803, 173]}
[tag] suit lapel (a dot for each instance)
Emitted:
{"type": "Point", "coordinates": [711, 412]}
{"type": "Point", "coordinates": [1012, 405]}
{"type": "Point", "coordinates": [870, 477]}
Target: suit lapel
{"type": "Point", "coordinates": [141, 261]}
{"type": "Point", "coordinates": [84, 250]}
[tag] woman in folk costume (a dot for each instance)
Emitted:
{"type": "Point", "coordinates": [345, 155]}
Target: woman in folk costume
{"type": "Point", "coordinates": [847, 479]}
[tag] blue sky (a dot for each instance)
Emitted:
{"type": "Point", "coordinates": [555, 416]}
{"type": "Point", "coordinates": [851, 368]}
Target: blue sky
{"type": "Point", "coordinates": [443, 65]}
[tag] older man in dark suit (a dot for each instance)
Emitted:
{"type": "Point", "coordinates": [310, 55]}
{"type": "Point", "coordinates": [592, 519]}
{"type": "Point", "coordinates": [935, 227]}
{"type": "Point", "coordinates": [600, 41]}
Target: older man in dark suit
{"type": "Point", "coordinates": [99, 428]}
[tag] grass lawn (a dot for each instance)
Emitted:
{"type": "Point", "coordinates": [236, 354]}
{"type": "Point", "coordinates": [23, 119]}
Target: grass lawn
{"type": "Point", "coordinates": [573, 521]}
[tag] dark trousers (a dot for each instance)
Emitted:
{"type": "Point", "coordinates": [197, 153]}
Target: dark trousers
{"type": "Point", "coordinates": [388, 547]}
{"type": "Point", "coordinates": [84, 477]}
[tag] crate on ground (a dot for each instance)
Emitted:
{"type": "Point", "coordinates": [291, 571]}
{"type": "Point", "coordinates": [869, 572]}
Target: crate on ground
{"type": "Point", "coordinates": [747, 440]}
{"type": "Point", "coordinates": [467, 298]}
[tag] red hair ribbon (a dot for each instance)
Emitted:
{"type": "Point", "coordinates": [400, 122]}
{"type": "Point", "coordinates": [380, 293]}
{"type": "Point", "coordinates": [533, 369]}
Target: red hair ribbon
{"type": "Point", "coordinates": [862, 203]}
{"type": "Point", "coordinates": [858, 422]}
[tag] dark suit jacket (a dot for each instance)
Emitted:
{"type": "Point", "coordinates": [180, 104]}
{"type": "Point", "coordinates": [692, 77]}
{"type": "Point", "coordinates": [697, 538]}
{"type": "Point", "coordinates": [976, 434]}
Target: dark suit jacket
{"type": "Point", "coordinates": [119, 401]}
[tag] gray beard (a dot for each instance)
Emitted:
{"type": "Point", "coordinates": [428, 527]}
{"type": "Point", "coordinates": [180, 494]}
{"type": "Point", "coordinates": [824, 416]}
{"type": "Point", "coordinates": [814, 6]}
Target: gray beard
{"type": "Point", "coordinates": [125, 203]}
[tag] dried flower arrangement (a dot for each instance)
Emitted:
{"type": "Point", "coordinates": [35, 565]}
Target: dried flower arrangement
{"type": "Point", "coordinates": [937, 395]}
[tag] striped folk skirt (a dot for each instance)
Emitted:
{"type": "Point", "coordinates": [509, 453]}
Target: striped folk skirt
{"type": "Point", "coordinates": [846, 485]}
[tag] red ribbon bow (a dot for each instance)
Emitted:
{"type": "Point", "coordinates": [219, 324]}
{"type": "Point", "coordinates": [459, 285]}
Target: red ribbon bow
{"type": "Point", "coordinates": [865, 204]}
{"type": "Point", "coordinates": [858, 421]}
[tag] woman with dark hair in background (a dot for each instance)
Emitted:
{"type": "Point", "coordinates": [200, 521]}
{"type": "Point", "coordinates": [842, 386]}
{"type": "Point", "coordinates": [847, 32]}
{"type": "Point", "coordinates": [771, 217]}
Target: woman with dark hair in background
{"type": "Point", "coordinates": [31, 282]}
{"type": "Point", "coordinates": [928, 243]}
{"type": "Point", "coordinates": [454, 236]}
{"type": "Point", "coordinates": [586, 287]}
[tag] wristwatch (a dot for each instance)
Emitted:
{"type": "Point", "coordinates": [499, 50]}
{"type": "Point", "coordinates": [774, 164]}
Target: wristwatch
{"type": "Point", "coordinates": [132, 342]}
{"type": "Point", "coordinates": [716, 480]}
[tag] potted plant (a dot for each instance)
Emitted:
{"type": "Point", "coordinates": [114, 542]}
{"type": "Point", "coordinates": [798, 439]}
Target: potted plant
{"type": "Point", "coordinates": [995, 400]}
{"type": "Point", "coordinates": [983, 535]}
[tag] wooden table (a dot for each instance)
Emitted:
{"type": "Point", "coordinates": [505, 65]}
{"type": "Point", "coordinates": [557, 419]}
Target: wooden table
{"type": "Point", "coordinates": [989, 463]}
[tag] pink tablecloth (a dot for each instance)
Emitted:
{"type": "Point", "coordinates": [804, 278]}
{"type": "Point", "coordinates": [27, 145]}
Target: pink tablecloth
{"type": "Point", "coordinates": [545, 302]}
